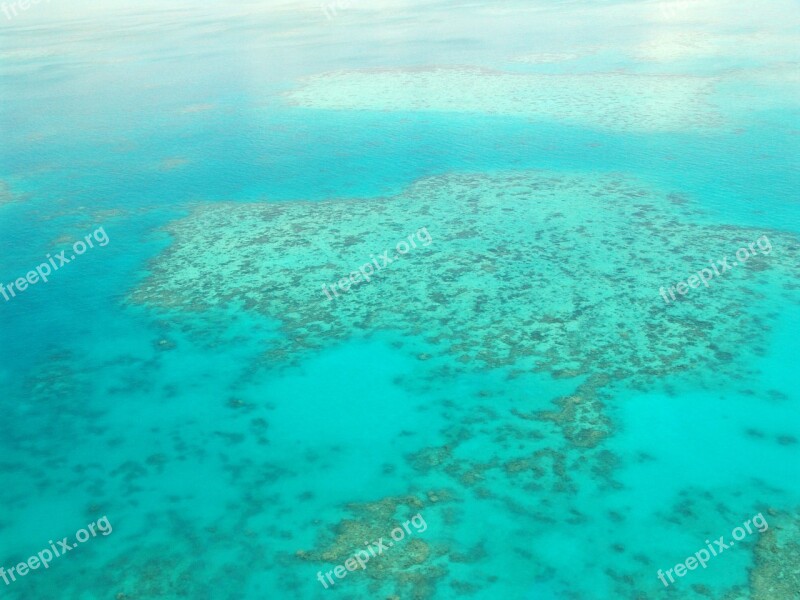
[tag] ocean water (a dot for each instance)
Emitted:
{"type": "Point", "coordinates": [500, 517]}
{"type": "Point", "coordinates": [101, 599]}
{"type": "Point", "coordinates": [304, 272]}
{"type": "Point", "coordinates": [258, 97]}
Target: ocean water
{"type": "Point", "coordinates": [513, 386]}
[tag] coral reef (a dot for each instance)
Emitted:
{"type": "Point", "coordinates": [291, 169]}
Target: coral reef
{"type": "Point", "coordinates": [619, 101]}
{"type": "Point", "coordinates": [528, 271]}
{"type": "Point", "coordinates": [776, 573]}
{"type": "Point", "coordinates": [409, 568]}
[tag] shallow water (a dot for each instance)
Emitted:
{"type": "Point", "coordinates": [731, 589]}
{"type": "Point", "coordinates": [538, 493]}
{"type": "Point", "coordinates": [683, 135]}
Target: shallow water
{"type": "Point", "coordinates": [515, 377]}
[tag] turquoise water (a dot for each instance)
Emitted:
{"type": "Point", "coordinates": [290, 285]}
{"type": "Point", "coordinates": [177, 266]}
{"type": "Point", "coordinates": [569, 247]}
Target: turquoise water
{"type": "Point", "coordinates": [519, 382]}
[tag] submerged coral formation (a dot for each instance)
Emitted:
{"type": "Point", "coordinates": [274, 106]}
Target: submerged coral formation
{"type": "Point", "coordinates": [407, 568]}
{"type": "Point", "coordinates": [527, 273]}
{"type": "Point", "coordinates": [776, 573]}
{"type": "Point", "coordinates": [530, 271]}
{"type": "Point", "coordinates": [615, 101]}
{"type": "Point", "coordinates": [7, 196]}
